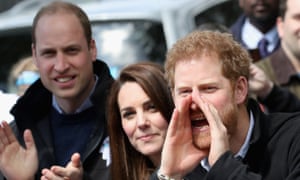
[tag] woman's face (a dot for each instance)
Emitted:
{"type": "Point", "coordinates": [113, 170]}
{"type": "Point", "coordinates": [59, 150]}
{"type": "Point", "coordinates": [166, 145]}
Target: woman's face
{"type": "Point", "coordinates": [143, 124]}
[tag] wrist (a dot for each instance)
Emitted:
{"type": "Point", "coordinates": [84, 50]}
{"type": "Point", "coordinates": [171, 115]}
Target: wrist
{"type": "Point", "coordinates": [162, 176]}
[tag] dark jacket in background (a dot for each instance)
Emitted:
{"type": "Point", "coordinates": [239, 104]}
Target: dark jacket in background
{"type": "Point", "coordinates": [236, 29]}
{"type": "Point", "coordinates": [281, 100]}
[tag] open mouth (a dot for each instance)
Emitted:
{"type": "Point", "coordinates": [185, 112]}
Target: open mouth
{"type": "Point", "coordinates": [64, 79]}
{"type": "Point", "coordinates": [199, 123]}
{"type": "Point", "coordinates": [198, 120]}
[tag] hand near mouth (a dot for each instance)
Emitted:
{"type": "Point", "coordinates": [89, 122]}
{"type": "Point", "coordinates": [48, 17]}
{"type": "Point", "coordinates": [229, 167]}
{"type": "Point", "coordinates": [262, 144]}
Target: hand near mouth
{"type": "Point", "coordinates": [218, 132]}
{"type": "Point", "coordinates": [180, 155]}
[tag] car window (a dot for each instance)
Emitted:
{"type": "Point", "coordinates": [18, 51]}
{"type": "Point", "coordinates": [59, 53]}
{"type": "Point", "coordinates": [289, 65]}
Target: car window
{"type": "Point", "coordinates": [225, 13]}
{"type": "Point", "coordinates": [124, 42]}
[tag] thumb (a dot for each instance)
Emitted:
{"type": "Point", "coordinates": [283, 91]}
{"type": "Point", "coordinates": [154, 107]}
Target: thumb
{"type": "Point", "coordinates": [29, 141]}
{"type": "Point", "coordinates": [75, 159]}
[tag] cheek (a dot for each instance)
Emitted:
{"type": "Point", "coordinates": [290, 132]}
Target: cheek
{"type": "Point", "coordinates": [160, 123]}
{"type": "Point", "coordinates": [177, 99]}
{"type": "Point", "coordinates": [45, 66]}
{"type": "Point", "coordinates": [129, 127]}
{"type": "Point", "coordinates": [229, 118]}
{"type": "Point", "coordinates": [220, 101]}
{"type": "Point", "coordinates": [290, 27]}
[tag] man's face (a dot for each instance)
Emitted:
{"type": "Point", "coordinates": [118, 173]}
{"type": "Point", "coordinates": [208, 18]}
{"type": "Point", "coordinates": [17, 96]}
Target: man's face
{"type": "Point", "coordinates": [289, 28]}
{"type": "Point", "coordinates": [203, 77]}
{"type": "Point", "coordinates": [63, 58]}
{"type": "Point", "coordinates": [260, 10]}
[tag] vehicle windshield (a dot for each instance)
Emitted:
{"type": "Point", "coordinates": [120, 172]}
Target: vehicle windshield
{"type": "Point", "coordinates": [120, 43]}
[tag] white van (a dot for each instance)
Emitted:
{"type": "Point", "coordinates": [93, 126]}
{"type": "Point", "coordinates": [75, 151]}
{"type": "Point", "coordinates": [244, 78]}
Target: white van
{"type": "Point", "coordinates": [125, 31]}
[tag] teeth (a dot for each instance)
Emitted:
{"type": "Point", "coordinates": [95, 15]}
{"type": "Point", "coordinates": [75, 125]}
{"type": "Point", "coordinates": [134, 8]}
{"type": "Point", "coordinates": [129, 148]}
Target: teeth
{"type": "Point", "coordinates": [202, 117]}
{"type": "Point", "coordinates": [63, 79]}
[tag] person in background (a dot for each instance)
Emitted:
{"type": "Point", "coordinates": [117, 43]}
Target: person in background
{"type": "Point", "coordinates": [272, 97]}
{"type": "Point", "coordinates": [283, 66]}
{"type": "Point", "coordinates": [63, 112]}
{"type": "Point", "coordinates": [256, 29]}
{"type": "Point", "coordinates": [22, 75]}
{"type": "Point", "coordinates": [215, 125]}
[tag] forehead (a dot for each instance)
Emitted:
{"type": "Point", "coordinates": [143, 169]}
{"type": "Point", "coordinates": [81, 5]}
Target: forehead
{"type": "Point", "coordinates": [58, 28]}
{"type": "Point", "coordinates": [63, 17]}
{"type": "Point", "coordinates": [58, 21]}
{"type": "Point", "coordinates": [204, 66]}
{"type": "Point", "coordinates": [293, 6]}
{"type": "Point", "coordinates": [205, 58]}
{"type": "Point", "coordinates": [125, 95]}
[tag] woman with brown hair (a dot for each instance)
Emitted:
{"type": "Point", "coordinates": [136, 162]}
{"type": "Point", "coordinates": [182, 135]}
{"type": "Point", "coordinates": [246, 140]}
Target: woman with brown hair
{"type": "Point", "coordinates": [139, 108]}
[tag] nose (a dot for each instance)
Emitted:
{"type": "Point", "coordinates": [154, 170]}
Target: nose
{"type": "Point", "coordinates": [61, 64]}
{"type": "Point", "coordinates": [195, 93]}
{"type": "Point", "coordinates": [142, 120]}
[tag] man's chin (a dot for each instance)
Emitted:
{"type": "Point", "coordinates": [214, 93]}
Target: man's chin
{"type": "Point", "coordinates": [202, 143]}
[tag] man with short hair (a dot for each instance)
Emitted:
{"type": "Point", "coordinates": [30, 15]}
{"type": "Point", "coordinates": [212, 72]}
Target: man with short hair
{"type": "Point", "coordinates": [63, 113]}
{"type": "Point", "coordinates": [217, 131]}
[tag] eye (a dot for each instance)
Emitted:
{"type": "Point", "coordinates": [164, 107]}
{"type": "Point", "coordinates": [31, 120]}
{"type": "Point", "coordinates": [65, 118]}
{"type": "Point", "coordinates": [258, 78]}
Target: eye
{"type": "Point", "coordinates": [209, 89]}
{"type": "Point", "coordinates": [151, 107]}
{"type": "Point", "coordinates": [184, 92]}
{"type": "Point", "coordinates": [72, 50]}
{"type": "Point", "coordinates": [128, 114]}
{"type": "Point", "coordinates": [47, 53]}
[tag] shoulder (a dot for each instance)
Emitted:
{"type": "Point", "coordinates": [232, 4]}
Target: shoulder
{"type": "Point", "coordinates": [235, 28]}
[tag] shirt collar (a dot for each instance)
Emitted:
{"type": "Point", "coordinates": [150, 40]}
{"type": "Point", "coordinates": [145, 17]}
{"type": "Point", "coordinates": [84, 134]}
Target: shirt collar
{"type": "Point", "coordinates": [251, 36]}
{"type": "Point", "coordinates": [85, 105]}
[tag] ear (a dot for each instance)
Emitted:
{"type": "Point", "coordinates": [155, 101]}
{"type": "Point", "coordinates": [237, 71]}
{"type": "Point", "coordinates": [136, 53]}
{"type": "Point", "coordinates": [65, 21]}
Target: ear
{"type": "Point", "coordinates": [33, 51]}
{"type": "Point", "coordinates": [173, 95]}
{"type": "Point", "coordinates": [93, 49]}
{"type": "Point", "coordinates": [279, 25]}
{"type": "Point", "coordinates": [241, 90]}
